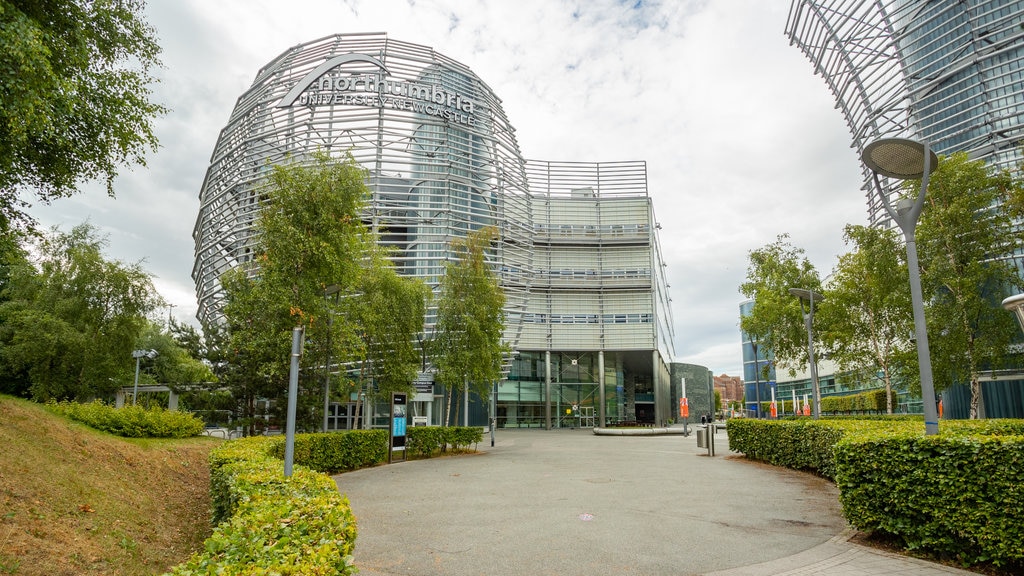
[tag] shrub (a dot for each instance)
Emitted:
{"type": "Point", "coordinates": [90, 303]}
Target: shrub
{"type": "Point", "coordinates": [959, 494]}
{"type": "Point", "coordinates": [956, 494]}
{"type": "Point", "coordinates": [425, 441]}
{"type": "Point", "coordinates": [337, 451]}
{"type": "Point", "coordinates": [131, 421]}
{"type": "Point", "coordinates": [270, 524]}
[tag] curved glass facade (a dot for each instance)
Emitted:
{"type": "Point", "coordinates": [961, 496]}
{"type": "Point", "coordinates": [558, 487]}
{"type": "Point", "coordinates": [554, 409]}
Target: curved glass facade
{"type": "Point", "coordinates": [578, 255]}
{"type": "Point", "coordinates": [949, 73]}
{"type": "Point", "coordinates": [442, 156]}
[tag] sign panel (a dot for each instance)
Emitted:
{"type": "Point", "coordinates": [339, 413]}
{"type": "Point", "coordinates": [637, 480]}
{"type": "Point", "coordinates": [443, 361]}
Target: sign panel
{"type": "Point", "coordinates": [399, 404]}
{"type": "Point", "coordinates": [684, 408]}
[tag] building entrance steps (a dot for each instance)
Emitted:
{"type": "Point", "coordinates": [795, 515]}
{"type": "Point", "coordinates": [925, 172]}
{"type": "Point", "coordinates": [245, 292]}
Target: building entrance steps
{"type": "Point", "coordinates": [569, 502]}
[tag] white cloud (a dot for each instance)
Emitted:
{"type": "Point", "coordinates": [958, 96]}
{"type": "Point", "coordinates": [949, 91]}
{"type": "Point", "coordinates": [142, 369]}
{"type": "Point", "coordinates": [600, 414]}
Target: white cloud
{"type": "Point", "coordinates": [742, 142]}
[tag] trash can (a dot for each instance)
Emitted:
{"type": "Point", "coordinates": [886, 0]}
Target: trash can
{"type": "Point", "coordinates": [702, 441]}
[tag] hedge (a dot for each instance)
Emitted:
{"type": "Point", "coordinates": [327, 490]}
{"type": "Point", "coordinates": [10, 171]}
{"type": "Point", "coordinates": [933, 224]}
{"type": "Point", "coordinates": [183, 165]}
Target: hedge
{"type": "Point", "coordinates": [801, 444]}
{"type": "Point", "coordinates": [337, 451]}
{"type": "Point", "coordinates": [131, 421]}
{"type": "Point", "coordinates": [860, 403]}
{"type": "Point", "coordinates": [426, 441]}
{"type": "Point", "coordinates": [959, 494]}
{"type": "Point", "coordinates": [270, 524]}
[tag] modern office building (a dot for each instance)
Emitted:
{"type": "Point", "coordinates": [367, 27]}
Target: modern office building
{"type": "Point", "coordinates": [587, 309]}
{"type": "Point", "coordinates": [758, 370]}
{"type": "Point", "coordinates": [948, 73]}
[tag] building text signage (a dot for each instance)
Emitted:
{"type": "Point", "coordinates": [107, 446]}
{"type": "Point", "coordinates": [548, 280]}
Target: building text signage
{"type": "Point", "coordinates": [327, 86]}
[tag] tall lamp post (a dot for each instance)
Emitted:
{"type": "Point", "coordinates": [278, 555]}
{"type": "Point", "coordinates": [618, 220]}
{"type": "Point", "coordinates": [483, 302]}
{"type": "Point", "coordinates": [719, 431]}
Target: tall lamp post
{"type": "Point", "coordinates": [811, 296]}
{"type": "Point", "coordinates": [757, 376]}
{"type": "Point", "coordinates": [905, 159]}
{"type": "Point", "coordinates": [1015, 304]}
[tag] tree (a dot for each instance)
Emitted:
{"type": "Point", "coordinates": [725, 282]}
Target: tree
{"type": "Point", "coordinates": [866, 316]}
{"type": "Point", "coordinates": [390, 311]}
{"type": "Point", "coordinates": [72, 320]}
{"type": "Point", "coordinates": [309, 237]}
{"type": "Point", "coordinates": [775, 318]}
{"type": "Point", "coordinates": [467, 347]}
{"type": "Point", "coordinates": [965, 240]}
{"type": "Point", "coordinates": [173, 365]}
{"type": "Point", "coordinates": [75, 97]}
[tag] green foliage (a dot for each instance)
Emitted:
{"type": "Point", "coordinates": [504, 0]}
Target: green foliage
{"type": "Point", "coordinates": [799, 444]}
{"type": "Point", "coordinates": [310, 236]}
{"type": "Point", "coordinates": [131, 421]}
{"type": "Point", "coordinates": [270, 524]}
{"type": "Point", "coordinates": [426, 441]}
{"type": "Point", "coordinates": [71, 321]}
{"type": "Point", "coordinates": [966, 232]}
{"type": "Point", "coordinates": [959, 495]}
{"type": "Point", "coordinates": [776, 320]}
{"type": "Point", "coordinates": [334, 452]}
{"type": "Point", "coordinates": [75, 99]}
{"type": "Point", "coordinates": [870, 401]}
{"type": "Point", "coordinates": [173, 365]}
{"type": "Point", "coordinates": [467, 346]}
{"type": "Point", "coordinates": [866, 317]}
{"type": "Point", "coordinates": [390, 313]}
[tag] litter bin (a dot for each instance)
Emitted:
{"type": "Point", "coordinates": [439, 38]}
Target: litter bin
{"type": "Point", "coordinates": [702, 441]}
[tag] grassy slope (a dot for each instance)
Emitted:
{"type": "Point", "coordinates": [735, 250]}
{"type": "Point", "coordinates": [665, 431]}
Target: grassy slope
{"type": "Point", "coordinates": [77, 501]}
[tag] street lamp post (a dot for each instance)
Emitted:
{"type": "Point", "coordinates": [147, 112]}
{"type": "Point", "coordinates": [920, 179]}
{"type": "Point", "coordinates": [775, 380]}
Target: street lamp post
{"type": "Point", "coordinates": [811, 296]}
{"type": "Point", "coordinates": [906, 159]}
{"type": "Point", "coordinates": [757, 377]}
{"type": "Point", "coordinates": [138, 355]}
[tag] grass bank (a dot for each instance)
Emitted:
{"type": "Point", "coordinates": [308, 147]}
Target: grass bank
{"type": "Point", "coordinates": [77, 501]}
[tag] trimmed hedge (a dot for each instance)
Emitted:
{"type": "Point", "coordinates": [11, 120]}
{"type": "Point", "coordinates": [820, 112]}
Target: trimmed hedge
{"type": "Point", "coordinates": [426, 441]}
{"type": "Point", "coordinates": [959, 494]}
{"type": "Point", "coordinates": [269, 524]}
{"type": "Point", "coordinates": [872, 401]}
{"type": "Point", "coordinates": [131, 421]}
{"type": "Point", "coordinates": [333, 452]}
{"type": "Point", "coordinates": [801, 444]}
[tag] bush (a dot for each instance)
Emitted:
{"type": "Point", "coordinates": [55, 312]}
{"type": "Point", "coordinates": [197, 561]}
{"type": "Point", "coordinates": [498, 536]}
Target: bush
{"type": "Point", "coordinates": [131, 421]}
{"type": "Point", "coordinates": [270, 524]}
{"type": "Point", "coordinates": [337, 451]}
{"type": "Point", "coordinates": [959, 494]}
{"type": "Point", "coordinates": [425, 441]}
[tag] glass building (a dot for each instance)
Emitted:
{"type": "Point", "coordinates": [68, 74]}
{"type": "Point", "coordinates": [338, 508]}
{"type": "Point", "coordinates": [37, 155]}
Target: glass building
{"type": "Point", "coordinates": [949, 73]}
{"type": "Point", "coordinates": [587, 307]}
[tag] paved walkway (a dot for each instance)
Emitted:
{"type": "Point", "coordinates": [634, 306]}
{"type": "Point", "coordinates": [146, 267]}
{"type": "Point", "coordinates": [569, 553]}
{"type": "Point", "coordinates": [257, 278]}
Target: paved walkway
{"type": "Point", "coordinates": [568, 502]}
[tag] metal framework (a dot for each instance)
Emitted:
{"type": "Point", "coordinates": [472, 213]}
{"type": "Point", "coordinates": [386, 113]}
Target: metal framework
{"type": "Point", "coordinates": [441, 155]}
{"type": "Point", "coordinates": [950, 73]}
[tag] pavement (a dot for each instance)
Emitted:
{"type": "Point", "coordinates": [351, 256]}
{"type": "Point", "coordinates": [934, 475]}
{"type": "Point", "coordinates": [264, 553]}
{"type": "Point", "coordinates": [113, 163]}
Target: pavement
{"type": "Point", "coordinates": [569, 502]}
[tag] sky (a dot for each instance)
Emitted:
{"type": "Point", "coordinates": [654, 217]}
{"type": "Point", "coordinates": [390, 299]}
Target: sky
{"type": "Point", "coordinates": [742, 141]}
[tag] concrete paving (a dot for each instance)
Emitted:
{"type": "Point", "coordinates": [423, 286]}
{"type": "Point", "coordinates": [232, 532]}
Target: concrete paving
{"type": "Point", "coordinates": [569, 502]}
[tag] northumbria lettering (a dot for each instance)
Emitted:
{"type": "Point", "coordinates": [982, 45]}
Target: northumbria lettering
{"type": "Point", "coordinates": [375, 90]}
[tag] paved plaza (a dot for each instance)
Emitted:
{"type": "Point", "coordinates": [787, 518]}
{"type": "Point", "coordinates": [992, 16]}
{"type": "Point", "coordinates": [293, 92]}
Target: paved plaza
{"type": "Point", "coordinates": [568, 502]}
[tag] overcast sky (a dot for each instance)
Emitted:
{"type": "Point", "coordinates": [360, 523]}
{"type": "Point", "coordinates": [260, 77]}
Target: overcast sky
{"type": "Point", "coordinates": [742, 141]}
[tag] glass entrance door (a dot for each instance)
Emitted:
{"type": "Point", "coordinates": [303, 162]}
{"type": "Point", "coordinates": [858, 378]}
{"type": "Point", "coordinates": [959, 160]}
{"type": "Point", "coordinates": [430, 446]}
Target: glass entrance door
{"type": "Point", "coordinates": [574, 404]}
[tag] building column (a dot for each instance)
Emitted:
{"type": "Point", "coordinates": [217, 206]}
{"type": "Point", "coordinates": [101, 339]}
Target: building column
{"type": "Point", "coordinates": [547, 390]}
{"type": "Point", "coordinates": [659, 397]}
{"type": "Point", "coordinates": [600, 388]}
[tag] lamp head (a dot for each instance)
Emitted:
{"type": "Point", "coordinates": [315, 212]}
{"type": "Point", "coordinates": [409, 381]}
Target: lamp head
{"type": "Point", "coordinates": [900, 158]}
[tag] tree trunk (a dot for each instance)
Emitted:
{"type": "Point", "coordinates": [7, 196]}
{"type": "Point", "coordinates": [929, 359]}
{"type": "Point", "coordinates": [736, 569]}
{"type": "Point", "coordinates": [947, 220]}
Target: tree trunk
{"type": "Point", "coordinates": [888, 394]}
{"type": "Point", "coordinates": [975, 396]}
